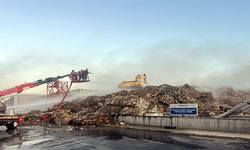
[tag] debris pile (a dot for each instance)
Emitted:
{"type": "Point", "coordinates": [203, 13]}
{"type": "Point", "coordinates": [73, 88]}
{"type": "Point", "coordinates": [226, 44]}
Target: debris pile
{"type": "Point", "coordinates": [155, 99]}
{"type": "Point", "coordinates": [232, 97]}
{"type": "Point", "coordinates": [98, 110]}
{"type": "Point", "coordinates": [227, 97]}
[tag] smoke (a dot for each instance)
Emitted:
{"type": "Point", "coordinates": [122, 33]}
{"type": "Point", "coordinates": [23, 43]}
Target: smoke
{"type": "Point", "coordinates": [41, 104]}
{"type": "Point", "coordinates": [174, 62]}
{"type": "Point", "coordinates": [237, 77]}
{"type": "Point", "coordinates": [44, 103]}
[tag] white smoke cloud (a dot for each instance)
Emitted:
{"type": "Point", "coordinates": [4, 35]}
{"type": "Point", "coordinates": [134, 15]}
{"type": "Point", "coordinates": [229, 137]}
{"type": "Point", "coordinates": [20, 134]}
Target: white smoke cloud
{"type": "Point", "coordinates": [173, 62]}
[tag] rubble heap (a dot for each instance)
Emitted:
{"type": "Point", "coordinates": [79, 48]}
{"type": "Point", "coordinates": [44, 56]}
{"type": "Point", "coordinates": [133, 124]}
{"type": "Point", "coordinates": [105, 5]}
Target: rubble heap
{"type": "Point", "coordinates": [227, 97]}
{"type": "Point", "coordinates": [98, 110]}
{"type": "Point", "coordinates": [232, 97]}
{"type": "Point", "coordinates": [154, 99]}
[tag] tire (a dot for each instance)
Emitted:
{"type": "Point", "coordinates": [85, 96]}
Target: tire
{"type": "Point", "coordinates": [13, 125]}
{"type": "Point", "coordinates": [8, 126]}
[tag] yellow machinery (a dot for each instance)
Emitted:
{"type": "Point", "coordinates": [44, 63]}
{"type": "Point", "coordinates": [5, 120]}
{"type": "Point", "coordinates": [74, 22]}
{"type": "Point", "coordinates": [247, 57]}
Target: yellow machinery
{"type": "Point", "coordinates": [139, 83]}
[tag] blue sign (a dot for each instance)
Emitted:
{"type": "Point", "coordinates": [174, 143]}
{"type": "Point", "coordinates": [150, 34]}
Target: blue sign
{"type": "Point", "coordinates": [183, 109]}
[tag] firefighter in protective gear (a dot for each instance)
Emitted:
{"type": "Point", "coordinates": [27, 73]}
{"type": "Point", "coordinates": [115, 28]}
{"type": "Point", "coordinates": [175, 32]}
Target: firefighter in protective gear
{"type": "Point", "coordinates": [85, 74]}
{"type": "Point", "coordinates": [81, 75]}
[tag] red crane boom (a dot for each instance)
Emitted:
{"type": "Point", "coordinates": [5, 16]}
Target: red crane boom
{"type": "Point", "coordinates": [20, 88]}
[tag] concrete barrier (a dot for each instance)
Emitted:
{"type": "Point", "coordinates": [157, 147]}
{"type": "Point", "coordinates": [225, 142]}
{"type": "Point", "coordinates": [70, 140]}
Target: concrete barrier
{"type": "Point", "coordinates": [210, 124]}
{"type": "Point", "coordinates": [239, 117]}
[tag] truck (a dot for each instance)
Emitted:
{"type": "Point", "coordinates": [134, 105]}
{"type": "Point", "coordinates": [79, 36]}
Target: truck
{"type": "Point", "coordinates": [10, 120]}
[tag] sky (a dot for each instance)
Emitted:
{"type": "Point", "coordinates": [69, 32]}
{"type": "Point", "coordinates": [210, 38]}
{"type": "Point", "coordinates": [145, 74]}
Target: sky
{"type": "Point", "coordinates": [201, 43]}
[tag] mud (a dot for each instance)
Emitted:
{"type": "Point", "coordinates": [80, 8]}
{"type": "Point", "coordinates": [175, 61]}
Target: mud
{"type": "Point", "coordinates": [105, 138]}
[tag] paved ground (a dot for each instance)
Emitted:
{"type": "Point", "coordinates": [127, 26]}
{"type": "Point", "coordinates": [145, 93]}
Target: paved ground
{"type": "Point", "coordinates": [121, 137]}
{"type": "Point", "coordinates": [189, 132]}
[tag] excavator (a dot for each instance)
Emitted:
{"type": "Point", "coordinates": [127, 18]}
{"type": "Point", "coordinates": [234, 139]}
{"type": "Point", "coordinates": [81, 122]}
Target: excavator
{"type": "Point", "coordinates": [139, 83]}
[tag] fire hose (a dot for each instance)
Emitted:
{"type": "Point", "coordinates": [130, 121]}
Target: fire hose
{"type": "Point", "coordinates": [44, 118]}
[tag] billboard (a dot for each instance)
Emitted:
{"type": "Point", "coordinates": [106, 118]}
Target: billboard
{"type": "Point", "coordinates": [184, 109]}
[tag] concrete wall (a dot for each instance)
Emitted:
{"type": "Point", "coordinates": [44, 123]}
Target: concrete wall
{"type": "Point", "coordinates": [239, 116]}
{"type": "Point", "coordinates": [80, 91]}
{"type": "Point", "coordinates": [22, 99]}
{"type": "Point", "coordinates": [223, 125]}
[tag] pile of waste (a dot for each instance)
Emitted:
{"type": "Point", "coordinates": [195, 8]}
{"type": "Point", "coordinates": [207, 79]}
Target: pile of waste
{"type": "Point", "coordinates": [152, 100]}
{"type": "Point", "coordinates": [232, 97]}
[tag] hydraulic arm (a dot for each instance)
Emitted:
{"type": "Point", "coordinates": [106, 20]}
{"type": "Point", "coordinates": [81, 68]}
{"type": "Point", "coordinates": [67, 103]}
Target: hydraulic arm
{"type": "Point", "coordinates": [20, 88]}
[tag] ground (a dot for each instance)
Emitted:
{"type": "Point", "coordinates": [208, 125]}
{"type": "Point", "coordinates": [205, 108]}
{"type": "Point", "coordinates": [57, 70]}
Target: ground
{"type": "Point", "coordinates": [107, 138]}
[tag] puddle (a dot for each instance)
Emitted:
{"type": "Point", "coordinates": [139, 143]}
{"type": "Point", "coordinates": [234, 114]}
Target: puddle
{"type": "Point", "coordinates": [38, 137]}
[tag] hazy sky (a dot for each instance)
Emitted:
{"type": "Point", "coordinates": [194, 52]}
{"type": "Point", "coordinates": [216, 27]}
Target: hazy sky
{"type": "Point", "coordinates": [173, 41]}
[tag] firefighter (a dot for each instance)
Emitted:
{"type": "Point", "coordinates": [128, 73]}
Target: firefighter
{"type": "Point", "coordinates": [73, 74]}
{"type": "Point", "coordinates": [85, 74]}
{"type": "Point", "coordinates": [81, 75]}
{"type": "Point", "coordinates": [44, 118]}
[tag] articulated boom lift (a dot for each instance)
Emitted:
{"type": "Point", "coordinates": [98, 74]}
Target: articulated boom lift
{"type": "Point", "coordinates": [11, 121]}
{"type": "Point", "coordinates": [20, 88]}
